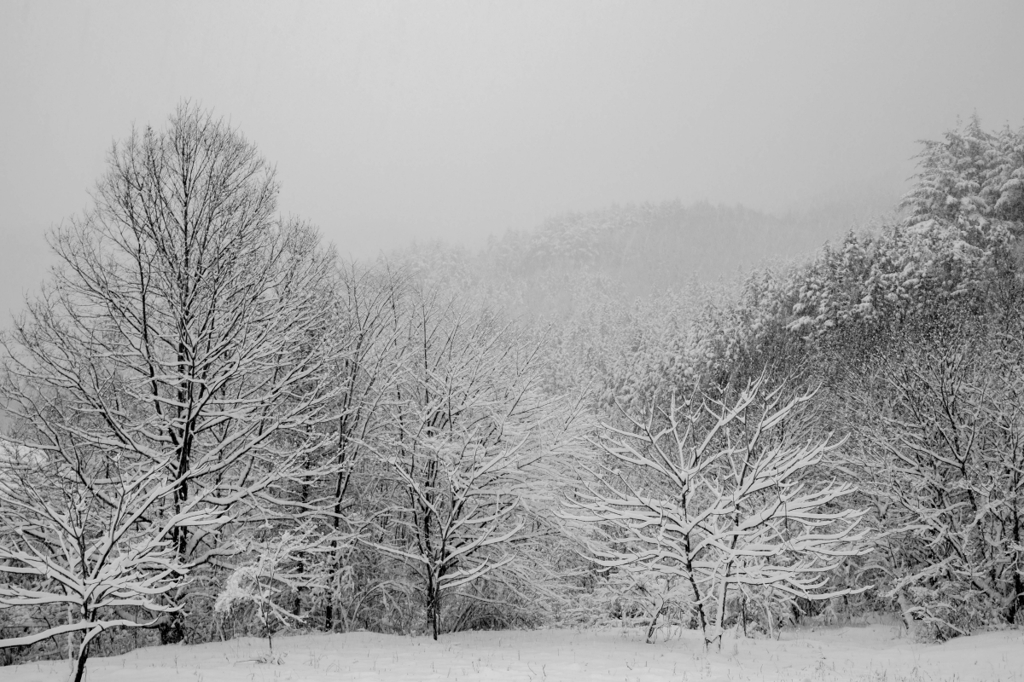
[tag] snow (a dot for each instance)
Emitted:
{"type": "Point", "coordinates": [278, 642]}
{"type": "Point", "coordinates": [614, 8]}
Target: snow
{"type": "Point", "coordinates": [871, 653]}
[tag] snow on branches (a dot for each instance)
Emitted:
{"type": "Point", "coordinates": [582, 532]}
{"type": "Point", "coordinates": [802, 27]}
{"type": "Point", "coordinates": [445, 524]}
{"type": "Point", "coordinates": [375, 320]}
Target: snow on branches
{"type": "Point", "coordinates": [94, 542]}
{"type": "Point", "coordinates": [468, 452]}
{"type": "Point", "coordinates": [719, 494]}
{"type": "Point", "coordinates": [939, 451]}
{"type": "Point", "coordinates": [277, 569]}
{"type": "Point", "coordinates": [180, 365]}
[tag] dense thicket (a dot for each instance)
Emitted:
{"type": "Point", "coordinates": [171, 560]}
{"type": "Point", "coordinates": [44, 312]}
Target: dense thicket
{"type": "Point", "coordinates": [214, 428]}
{"type": "Point", "coordinates": [914, 336]}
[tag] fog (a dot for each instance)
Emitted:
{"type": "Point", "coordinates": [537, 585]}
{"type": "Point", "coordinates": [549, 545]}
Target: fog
{"type": "Point", "coordinates": [394, 122]}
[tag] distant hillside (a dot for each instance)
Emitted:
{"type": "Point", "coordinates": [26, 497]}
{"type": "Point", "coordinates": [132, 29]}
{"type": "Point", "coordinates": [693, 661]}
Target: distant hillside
{"type": "Point", "coordinates": [650, 247]}
{"type": "Point", "coordinates": [701, 251]}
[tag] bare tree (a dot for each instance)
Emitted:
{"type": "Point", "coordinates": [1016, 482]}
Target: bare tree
{"type": "Point", "coordinates": [366, 373]}
{"type": "Point", "coordinates": [940, 434]}
{"type": "Point", "coordinates": [90, 538]}
{"type": "Point", "coordinates": [274, 570]}
{"type": "Point", "coordinates": [470, 444]}
{"type": "Point", "coordinates": [717, 495]}
{"type": "Point", "coordinates": [187, 329]}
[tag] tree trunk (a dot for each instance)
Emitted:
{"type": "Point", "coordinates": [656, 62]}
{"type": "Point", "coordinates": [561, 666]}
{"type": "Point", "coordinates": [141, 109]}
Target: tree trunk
{"type": "Point", "coordinates": [339, 494]}
{"type": "Point", "coordinates": [908, 615]}
{"type": "Point", "coordinates": [172, 629]}
{"type": "Point", "coordinates": [78, 673]}
{"type": "Point", "coordinates": [654, 621]}
{"type": "Point", "coordinates": [329, 614]}
{"type": "Point", "coordinates": [433, 603]}
{"type": "Point", "coordinates": [433, 615]}
{"type": "Point", "coordinates": [696, 590]}
{"type": "Point", "coordinates": [723, 594]}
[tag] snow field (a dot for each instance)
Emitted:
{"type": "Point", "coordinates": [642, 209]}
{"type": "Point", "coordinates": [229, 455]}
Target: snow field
{"type": "Point", "coordinates": [874, 653]}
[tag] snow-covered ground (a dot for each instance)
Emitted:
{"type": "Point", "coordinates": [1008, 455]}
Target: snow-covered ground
{"type": "Point", "coordinates": [873, 652]}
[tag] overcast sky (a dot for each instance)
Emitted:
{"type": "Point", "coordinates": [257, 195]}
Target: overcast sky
{"type": "Point", "coordinates": [390, 122]}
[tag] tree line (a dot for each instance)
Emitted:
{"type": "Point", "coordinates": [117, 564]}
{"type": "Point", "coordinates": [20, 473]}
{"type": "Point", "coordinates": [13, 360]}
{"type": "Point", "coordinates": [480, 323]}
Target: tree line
{"type": "Point", "coordinates": [215, 426]}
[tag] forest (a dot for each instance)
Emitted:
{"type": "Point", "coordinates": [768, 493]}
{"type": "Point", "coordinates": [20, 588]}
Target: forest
{"type": "Point", "coordinates": [213, 426]}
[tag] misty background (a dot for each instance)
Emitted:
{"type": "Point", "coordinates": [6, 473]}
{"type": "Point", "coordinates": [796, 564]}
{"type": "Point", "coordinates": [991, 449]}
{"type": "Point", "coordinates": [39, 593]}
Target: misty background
{"type": "Point", "coordinates": [394, 122]}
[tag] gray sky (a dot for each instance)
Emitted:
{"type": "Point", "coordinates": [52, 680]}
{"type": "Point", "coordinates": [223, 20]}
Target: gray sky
{"type": "Point", "coordinates": [394, 121]}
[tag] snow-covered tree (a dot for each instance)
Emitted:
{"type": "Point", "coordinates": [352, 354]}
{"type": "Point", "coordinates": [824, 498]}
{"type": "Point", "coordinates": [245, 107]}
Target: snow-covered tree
{"type": "Point", "coordinates": [472, 449]}
{"type": "Point", "coordinates": [939, 430]}
{"type": "Point", "coordinates": [719, 493]}
{"type": "Point", "coordinates": [658, 598]}
{"type": "Point", "coordinates": [186, 328]}
{"type": "Point", "coordinates": [275, 570]}
{"type": "Point", "coordinates": [365, 373]}
{"type": "Point", "coordinates": [972, 180]}
{"type": "Point", "coordinates": [88, 542]}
